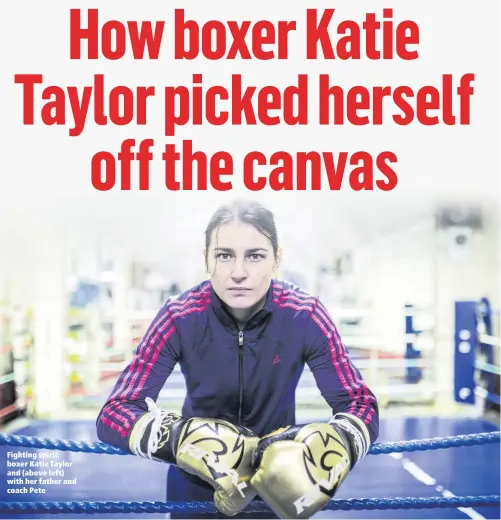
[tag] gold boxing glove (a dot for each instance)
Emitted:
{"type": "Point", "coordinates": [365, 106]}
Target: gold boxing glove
{"type": "Point", "coordinates": [300, 468]}
{"type": "Point", "coordinates": [214, 450]}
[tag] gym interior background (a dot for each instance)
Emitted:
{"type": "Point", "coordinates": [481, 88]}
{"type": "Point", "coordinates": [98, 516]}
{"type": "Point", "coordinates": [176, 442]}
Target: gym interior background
{"type": "Point", "coordinates": [412, 285]}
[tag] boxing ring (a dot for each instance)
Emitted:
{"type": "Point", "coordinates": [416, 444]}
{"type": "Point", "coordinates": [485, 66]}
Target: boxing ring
{"type": "Point", "coordinates": [390, 502]}
{"type": "Point", "coordinates": [450, 468]}
{"type": "Point", "coordinates": [166, 507]}
{"type": "Point", "coordinates": [476, 353]}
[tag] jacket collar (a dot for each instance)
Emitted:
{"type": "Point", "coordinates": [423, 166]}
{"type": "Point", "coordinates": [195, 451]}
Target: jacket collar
{"type": "Point", "coordinates": [222, 313]}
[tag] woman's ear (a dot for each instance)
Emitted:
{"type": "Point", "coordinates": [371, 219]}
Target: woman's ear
{"type": "Point", "coordinates": [278, 260]}
{"type": "Point", "coordinates": [205, 262]}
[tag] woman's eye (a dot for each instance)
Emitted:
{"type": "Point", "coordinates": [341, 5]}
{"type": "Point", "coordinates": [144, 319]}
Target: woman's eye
{"type": "Point", "coordinates": [255, 257]}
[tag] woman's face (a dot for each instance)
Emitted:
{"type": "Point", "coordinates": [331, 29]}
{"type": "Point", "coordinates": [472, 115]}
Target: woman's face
{"type": "Point", "coordinates": [240, 261]}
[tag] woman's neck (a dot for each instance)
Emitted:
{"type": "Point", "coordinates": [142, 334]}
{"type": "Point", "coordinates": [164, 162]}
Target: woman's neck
{"type": "Point", "coordinates": [242, 316]}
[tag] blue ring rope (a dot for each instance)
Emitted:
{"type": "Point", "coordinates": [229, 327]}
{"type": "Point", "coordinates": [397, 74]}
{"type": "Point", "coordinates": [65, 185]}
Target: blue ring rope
{"type": "Point", "coordinates": [376, 449]}
{"type": "Point", "coordinates": [493, 397]}
{"type": "Point", "coordinates": [255, 507]}
{"type": "Point", "coordinates": [164, 507]}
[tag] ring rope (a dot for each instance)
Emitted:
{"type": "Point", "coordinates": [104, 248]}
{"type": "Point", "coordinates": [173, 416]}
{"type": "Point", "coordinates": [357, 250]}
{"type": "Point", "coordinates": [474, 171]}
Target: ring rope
{"type": "Point", "coordinates": [376, 449]}
{"type": "Point", "coordinates": [488, 367]}
{"type": "Point", "coordinates": [256, 507]}
{"type": "Point", "coordinates": [482, 392]}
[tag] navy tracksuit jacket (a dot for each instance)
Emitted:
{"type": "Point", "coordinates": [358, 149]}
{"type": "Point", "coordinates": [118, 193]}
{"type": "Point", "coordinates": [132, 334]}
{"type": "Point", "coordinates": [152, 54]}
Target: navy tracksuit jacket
{"type": "Point", "coordinates": [246, 377]}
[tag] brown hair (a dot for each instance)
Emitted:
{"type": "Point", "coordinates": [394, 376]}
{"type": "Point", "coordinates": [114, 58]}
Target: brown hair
{"type": "Point", "coordinates": [248, 212]}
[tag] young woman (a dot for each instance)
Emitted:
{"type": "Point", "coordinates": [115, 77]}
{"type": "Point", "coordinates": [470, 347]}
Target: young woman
{"type": "Point", "coordinates": [242, 339]}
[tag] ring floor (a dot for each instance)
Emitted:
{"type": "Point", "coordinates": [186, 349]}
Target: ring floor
{"type": "Point", "coordinates": [473, 470]}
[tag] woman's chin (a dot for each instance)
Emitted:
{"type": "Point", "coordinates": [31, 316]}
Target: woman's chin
{"type": "Point", "coordinates": [240, 302]}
